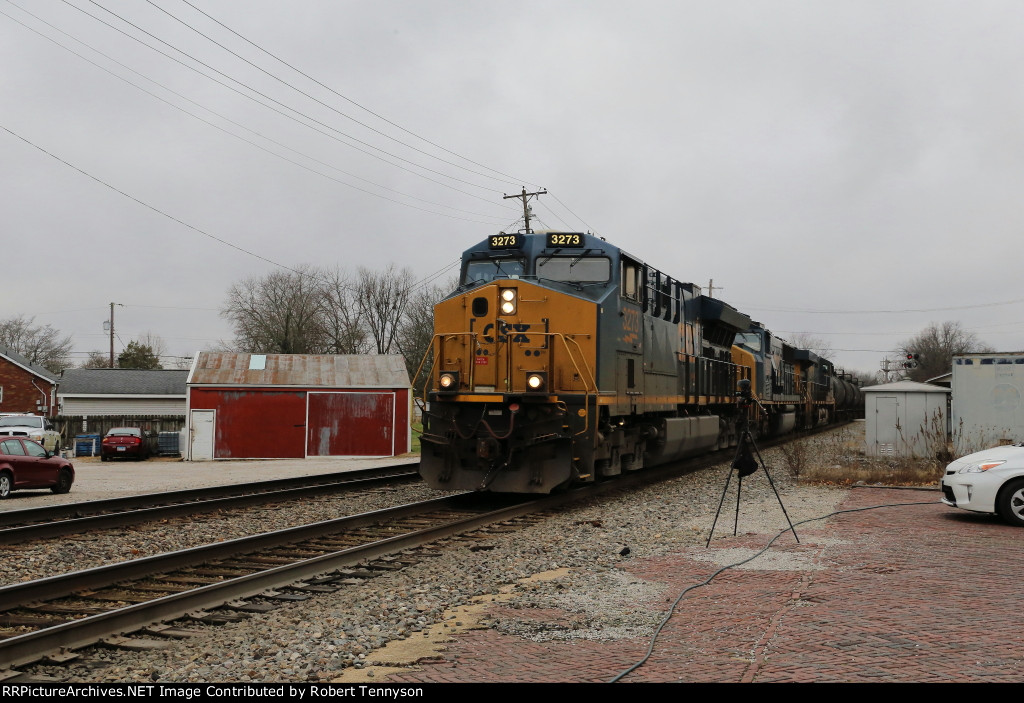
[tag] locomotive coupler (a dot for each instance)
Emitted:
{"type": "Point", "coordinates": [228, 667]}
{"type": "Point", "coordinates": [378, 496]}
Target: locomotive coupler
{"type": "Point", "coordinates": [487, 448]}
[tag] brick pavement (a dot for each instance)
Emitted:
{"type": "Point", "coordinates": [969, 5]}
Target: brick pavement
{"type": "Point", "coordinates": [905, 594]}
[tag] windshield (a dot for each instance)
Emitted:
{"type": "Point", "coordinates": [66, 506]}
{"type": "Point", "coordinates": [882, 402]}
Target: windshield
{"type": "Point", "coordinates": [21, 421]}
{"type": "Point", "coordinates": [751, 340]}
{"type": "Point", "coordinates": [484, 270]}
{"type": "Point", "coordinates": [125, 432]}
{"type": "Point", "coordinates": [575, 269]}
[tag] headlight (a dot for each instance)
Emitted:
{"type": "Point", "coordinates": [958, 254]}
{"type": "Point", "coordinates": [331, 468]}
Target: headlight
{"type": "Point", "coordinates": [448, 381]}
{"type": "Point", "coordinates": [36, 437]}
{"type": "Point", "coordinates": [508, 301]}
{"type": "Point", "coordinates": [536, 381]}
{"type": "Point", "coordinates": [980, 466]}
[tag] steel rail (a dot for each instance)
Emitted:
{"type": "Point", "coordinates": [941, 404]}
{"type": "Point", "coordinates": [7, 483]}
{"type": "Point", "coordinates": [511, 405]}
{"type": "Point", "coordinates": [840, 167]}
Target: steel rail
{"type": "Point", "coordinates": [52, 521]}
{"type": "Point", "coordinates": [30, 647]}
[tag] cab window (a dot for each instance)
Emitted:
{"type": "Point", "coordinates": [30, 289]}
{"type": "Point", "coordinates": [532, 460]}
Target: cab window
{"type": "Point", "coordinates": [575, 269]}
{"type": "Point", "coordinates": [630, 286]}
{"type": "Point", "coordinates": [485, 270]}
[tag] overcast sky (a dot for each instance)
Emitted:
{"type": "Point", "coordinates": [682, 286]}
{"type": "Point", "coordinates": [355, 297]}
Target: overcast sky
{"type": "Point", "coordinates": [852, 170]}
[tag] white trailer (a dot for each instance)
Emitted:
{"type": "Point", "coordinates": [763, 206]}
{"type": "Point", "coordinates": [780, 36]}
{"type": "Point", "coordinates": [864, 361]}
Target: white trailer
{"type": "Point", "coordinates": [987, 391]}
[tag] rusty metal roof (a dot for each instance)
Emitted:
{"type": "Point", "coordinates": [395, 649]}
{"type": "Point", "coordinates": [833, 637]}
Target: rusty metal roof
{"type": "Point", "coordinates": [299, 370]}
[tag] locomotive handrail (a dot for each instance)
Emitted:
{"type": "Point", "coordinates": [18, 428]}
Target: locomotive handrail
{"type": "Point", "coordinates": [586, 385]}
{"type": "Point", "coordinates": [440, 353]}
{"type": "Point", "coordinates": [568, 342]}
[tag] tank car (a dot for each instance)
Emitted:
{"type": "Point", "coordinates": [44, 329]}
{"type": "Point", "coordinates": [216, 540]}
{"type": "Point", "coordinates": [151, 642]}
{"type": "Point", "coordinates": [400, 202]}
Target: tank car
{"type": "Point", "coordinates": [561, 358]}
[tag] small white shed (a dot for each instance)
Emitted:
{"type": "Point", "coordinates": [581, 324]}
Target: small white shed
{"type": "Point", "coordinates": [905, 418]}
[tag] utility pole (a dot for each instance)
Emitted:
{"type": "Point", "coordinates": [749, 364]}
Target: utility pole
{"type": "Point", "coordinates": [109, 324]}
{"type": "Point", "coordinates": [111, 335]}
{"type": "Point", "coordinates": [711, 288]}
{"type": "Point", "coordinates": [525, 197]}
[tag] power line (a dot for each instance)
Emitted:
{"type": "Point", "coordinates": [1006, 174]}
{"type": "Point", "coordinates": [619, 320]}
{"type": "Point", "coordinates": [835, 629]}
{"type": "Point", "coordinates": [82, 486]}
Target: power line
{"type": "Point", "coordinates": [147, 205]}
{"type": "Point", "coordinates": [811, 311]}
{"type": "Point", "coordinates": [505, 177]}
{"type": "Point", "coordinates": [349, 100]}
{"type": "Point", "coordinates": [259, 93]}
{"type": "Point", "coordinates": [251, 143]}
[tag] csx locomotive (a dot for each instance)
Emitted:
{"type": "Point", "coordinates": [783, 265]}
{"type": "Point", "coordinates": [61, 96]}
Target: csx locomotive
{"type": "Point", "coordinates": [560, 358]}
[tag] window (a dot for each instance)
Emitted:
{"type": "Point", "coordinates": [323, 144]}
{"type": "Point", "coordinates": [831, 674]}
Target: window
{"type": "Point", "coordinates": [35, 450]}
{"type": "Point", "coordinates": [751, 340]}
{"type": "Point", "coordinates": [575, 269]}
{"type": "Point", "coordinates": [484, 270]}
{"type": "Point", "coordinates": [630, 284]}
{"type": "Point", "coordinates": [12, 447]}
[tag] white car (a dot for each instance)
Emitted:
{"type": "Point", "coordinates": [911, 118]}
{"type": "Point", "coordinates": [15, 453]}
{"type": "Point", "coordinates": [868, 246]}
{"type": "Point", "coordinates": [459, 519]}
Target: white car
{"type": "Point", "coordinates": [990, 481]}
{"type": "Point", "coordinates": [33, 427]}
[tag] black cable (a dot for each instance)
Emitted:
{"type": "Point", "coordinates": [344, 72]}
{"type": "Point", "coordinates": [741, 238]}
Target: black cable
{"type": "Point", "coordinates": [671, 611]}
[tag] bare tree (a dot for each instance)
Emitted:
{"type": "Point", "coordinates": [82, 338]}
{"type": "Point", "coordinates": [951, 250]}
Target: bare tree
{"type": "Point", "coordinates": [42, 345]}
{"type": "Point", "coordinates": [279, 313]}
{"type": "Point", "coordinates": [382, 297]}
{"type": "Point", "coordinates": [96, 360]}
{"type": "Point", "coordinates": [416, 330]}
{"type": "Point", "coordinates": [805, 340]}
{"type": "Point", "coordinates": [341, 317]}
{"type": "Point", "coordinates": [868, 378]}
{"type": "Point", "coordinates": [936, 345]}
{"type": "Point", "coordinates": [155, 342]}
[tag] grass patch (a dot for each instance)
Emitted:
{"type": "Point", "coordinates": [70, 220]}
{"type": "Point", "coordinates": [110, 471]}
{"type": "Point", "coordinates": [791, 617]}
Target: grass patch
{"type": "Point", "coordinates": [417, 430]}
{"type": "Point", "coordinates": [838, 458]}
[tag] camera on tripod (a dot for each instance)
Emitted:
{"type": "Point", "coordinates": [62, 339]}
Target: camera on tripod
{"type": "Point", "coordinates": [743, 389]}
{"type": "Point", "coordinates": [744, 463]}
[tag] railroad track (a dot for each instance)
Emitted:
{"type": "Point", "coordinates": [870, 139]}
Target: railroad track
{"type": "Point", "coordinates": [47, 619]}
{"type": "Point", "coordinates": [129, 603]}
{"type": "Point", "coordinates": [19, 526]}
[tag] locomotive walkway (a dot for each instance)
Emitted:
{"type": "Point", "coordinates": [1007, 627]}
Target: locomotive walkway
{"type": "Point", "coordinates": [918, 593]}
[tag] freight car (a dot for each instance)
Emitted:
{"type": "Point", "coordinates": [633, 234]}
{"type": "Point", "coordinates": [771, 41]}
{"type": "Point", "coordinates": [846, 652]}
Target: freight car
{"type": "Point", "coordinates": [561, 358]}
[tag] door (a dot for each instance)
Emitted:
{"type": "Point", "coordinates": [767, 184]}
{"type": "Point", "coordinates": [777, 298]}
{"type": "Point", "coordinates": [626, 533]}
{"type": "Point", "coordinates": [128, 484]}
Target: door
{"type": "Point", "coordinates": [886, 424]}
{"type": "Point", "coordinates": [201, 432]}
{"type": "Point", "coordinates": [351, 424]}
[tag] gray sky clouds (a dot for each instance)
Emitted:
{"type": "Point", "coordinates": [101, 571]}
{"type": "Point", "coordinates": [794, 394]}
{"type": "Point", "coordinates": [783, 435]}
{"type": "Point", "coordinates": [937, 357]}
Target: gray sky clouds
{"type": "Point", "coordinates": [808, 156]}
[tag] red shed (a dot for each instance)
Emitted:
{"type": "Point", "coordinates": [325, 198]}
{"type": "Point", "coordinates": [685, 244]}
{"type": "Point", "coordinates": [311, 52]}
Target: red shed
{"type": "Point", "coordinates": [291, 406]}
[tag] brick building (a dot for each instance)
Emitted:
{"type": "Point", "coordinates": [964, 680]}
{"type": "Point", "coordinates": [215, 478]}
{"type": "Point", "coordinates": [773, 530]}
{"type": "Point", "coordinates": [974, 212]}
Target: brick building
{"type": "Point", "coordinates": [25, 387]}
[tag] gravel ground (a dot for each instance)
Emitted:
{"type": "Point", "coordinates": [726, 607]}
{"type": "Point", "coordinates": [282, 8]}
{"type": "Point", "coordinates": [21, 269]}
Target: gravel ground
{"type": "Point", "coordinates": [40, 559]}
{"type": "Point", "coordinates": [329, 635]}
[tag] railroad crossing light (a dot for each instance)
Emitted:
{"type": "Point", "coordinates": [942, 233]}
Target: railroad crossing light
{"type": "Point", "coordinates": [912, 359]}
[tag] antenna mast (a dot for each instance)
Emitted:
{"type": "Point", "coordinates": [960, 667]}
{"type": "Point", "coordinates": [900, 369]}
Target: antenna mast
{"type": "Point", "coordinates": [526, 210]}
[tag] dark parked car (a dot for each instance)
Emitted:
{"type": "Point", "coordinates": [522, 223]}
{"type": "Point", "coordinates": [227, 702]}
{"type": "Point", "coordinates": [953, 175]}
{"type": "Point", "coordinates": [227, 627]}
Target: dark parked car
{"type": "Point", "coordinates": [124, 442]}
{"type": "Point", "coordinates": [25, 464]}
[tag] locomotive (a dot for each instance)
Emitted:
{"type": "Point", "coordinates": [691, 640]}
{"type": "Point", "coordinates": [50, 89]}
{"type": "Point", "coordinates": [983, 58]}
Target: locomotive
{"type": "Point", "coordinates": [561, 358]}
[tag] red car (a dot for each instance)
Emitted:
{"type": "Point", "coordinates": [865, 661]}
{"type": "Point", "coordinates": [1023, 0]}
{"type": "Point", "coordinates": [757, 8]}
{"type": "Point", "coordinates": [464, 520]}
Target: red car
{"type": "Point", "coordinates": [124, 442]}
{"type": "Point", "coordinates": [25, 464]}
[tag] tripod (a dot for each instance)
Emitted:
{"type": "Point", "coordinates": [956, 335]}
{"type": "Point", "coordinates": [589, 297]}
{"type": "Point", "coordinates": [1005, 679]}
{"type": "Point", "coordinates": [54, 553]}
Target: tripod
{"type": "Point", "coordinates": [744, 463]}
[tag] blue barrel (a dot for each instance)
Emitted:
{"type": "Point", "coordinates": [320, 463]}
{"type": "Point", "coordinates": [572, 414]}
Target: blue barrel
{"type": "Point", "coordinates": [87, 445]}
